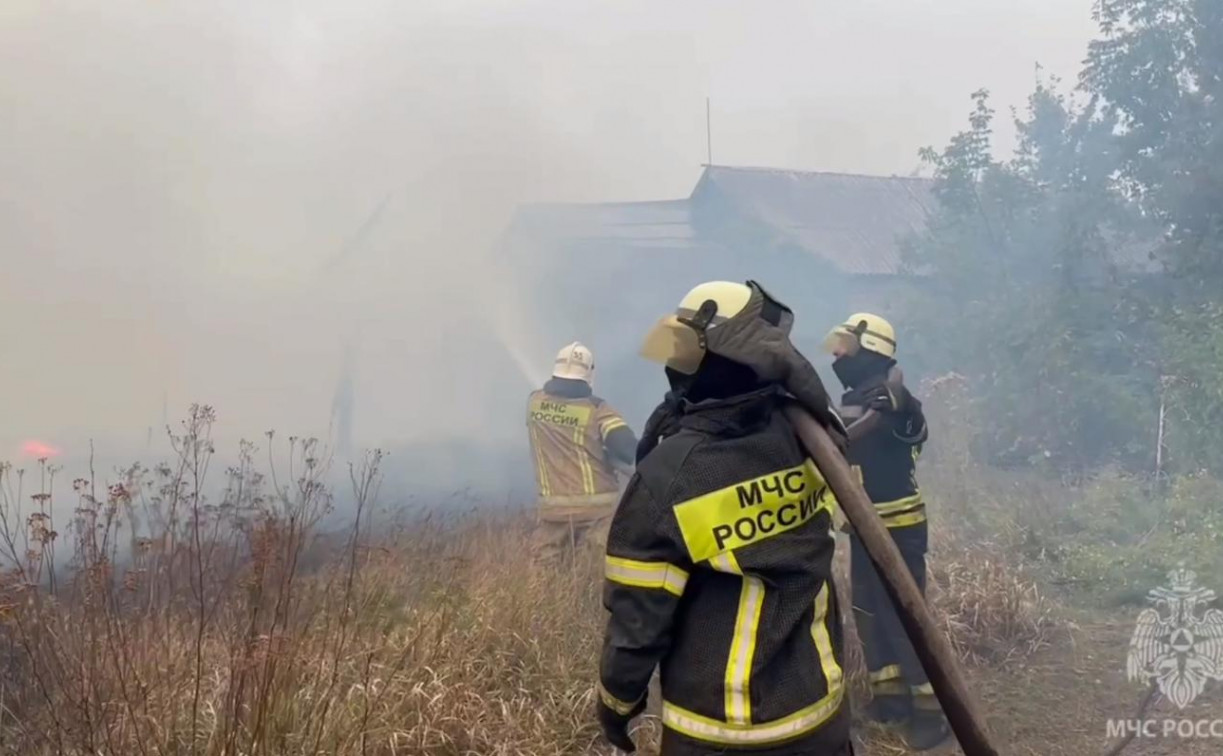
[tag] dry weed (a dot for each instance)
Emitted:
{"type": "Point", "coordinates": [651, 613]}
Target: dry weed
{"type": "Point", "coordinates": [992, 614]}
{"type": "Point", "coordinates": [226, 626]}
{"type": "Point", "coordinates": [189, 625]}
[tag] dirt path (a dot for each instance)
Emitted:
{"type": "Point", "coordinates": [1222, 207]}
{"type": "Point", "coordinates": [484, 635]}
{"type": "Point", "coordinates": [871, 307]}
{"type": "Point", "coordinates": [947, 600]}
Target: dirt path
{"type": "Point", "coordinates": [1059, 703]}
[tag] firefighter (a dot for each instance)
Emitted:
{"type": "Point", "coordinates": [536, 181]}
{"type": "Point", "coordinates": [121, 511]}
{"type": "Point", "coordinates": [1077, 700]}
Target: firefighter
{"type": "Point", "coordinates": [719, 557]}
{"type": "Point", "coordinates": [578, 443]}
{"type": "Point", "coordinates": [886, 433]}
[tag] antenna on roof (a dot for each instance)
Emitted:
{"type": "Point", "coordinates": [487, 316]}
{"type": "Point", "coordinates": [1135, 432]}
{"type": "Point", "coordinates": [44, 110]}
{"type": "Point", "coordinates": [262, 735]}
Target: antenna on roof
{"type": "Point", "coordinates": [708, 134]}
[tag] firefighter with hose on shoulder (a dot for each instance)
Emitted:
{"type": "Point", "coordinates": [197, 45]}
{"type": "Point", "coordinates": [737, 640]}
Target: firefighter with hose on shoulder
{"type": "Point", "coordinates": [719, 559]}
{"type": "Point", "coordinates": [886, 431]}
{"type": "Point", "coordinates": [579, 443]}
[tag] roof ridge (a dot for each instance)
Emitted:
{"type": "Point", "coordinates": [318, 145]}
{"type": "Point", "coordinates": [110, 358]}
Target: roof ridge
{"type": "Point", "coordinates": [596, 203]}
{"type": "Point", "coordinates": [796, 172]}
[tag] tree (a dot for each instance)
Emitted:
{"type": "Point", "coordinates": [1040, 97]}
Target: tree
{"type": "Point", "coordinates": [1024, 271]}
{"type": "Point", "coordinates": [1157, 72]}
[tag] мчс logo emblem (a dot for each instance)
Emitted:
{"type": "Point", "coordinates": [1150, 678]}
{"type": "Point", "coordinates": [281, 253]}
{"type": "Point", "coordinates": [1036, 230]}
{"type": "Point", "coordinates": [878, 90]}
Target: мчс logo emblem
{"type": "Point", "coordinates": [1178, 642]}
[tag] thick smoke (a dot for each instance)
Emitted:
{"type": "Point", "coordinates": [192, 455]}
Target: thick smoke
{"type": "Point", "coordinates": [213, 202]}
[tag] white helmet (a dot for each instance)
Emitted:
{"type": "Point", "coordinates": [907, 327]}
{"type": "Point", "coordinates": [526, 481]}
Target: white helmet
{"type": "Point", "coordinates": [575, 362]}
{"type": "Point", "coordinates": [676, 344]}
{"type": "Point", "coordinates": [863, 330]}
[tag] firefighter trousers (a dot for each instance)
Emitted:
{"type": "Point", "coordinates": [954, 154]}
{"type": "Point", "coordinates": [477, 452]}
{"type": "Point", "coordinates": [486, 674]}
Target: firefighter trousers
{"type": "Point", "coordinates": [898, 682]}
{"type": "Point", "coordinates": [557, 541]}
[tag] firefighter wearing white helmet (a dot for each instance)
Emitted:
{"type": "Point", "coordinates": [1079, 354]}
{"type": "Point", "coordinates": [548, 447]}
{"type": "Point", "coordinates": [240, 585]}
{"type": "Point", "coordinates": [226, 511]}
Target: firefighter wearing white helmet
{"type": "Point", "coordinates": [863, 330]}
{"type": "Point", "coordinates": [719, 558]}
{"type": "Point", "coordinates": [577, 442]}
{"type": "Point", "coordinates": [887, 431]}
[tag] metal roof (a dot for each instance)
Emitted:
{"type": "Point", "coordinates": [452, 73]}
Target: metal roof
{"type": "Point", "coordinates": [855, 223]}
{"type": "Point", "coordinates": [642, 225]}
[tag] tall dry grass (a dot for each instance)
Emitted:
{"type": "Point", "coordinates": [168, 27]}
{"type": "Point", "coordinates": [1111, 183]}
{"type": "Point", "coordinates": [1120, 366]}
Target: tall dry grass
{"type": "Point", "coordinates": [169, 615]}
{"type": "Point", "coordinates": [184, 624]}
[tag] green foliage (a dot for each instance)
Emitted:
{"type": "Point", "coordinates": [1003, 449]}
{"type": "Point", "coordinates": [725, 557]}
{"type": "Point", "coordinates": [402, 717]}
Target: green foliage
{"type": "Point", "coordinates": [1119, 537]}
{"type": "Point", "coordinates": [1105, 540]}
{"type": "Point", "coordinates": [1193, 350]}
{"type": "Point", "coordinates": [1076, 284]}
{"type": "Point", "coordinates": [1158, 70]}
{"type": "Point", "coordinates": [1024, 291]}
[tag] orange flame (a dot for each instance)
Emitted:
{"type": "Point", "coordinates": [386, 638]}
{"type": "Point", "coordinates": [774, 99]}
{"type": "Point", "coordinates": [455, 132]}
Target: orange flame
{"type": "Point", "coordinates": [39, 450]}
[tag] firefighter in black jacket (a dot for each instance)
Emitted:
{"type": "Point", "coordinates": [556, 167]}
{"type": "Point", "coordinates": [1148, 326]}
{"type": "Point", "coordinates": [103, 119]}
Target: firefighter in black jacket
{"type": "Point", "coordinates": [886, 432]}
{"type": "Point", "coordinates": [719, 558]}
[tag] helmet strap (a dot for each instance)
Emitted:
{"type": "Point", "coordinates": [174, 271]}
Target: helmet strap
{"type": "Point", "coordinates": [701, 320]}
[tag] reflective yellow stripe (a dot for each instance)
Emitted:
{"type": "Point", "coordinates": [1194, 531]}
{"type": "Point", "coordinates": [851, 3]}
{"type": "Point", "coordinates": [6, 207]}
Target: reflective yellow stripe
{"type": "Point", "coordinates": [890, 507]}
{"type": "Point", "coordinates": [742, 646]}
{"type": "Point", "coordinates": [726, 563]}
{"type": "Point", "coordinates": [623, 708]}
{"type": "Point", "coordinates": [544, 488]}
{"type": "Point", "coordinates": [889, 688]}
{"type": "Point", "coordinates": [579, 442]}
{"type": "Point", "coordinates": [890, 672]}
{"type": "Point", "coordinates": [823, 641]}
{"type": "Point", "coordinates": [902, 513]}
{"type": "Point", "coordinates": [924, 698]}
{"type": "Point", "coordinates": [636, 574]}
{"type": "Point", "coordinates": [905, 520]}
{"type": "Point", "coordinates": [610, 424]}
{"type": "Point", "coordinates": [795, 725]}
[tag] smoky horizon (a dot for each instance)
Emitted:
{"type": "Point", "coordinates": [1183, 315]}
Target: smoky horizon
{"type": "Point", "coordinates": [246, 205]}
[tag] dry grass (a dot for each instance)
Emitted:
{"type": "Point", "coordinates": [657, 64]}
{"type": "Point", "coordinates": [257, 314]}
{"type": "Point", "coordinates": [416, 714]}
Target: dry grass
{"type": "Point", "coordinates": [189, 623]}
{"type": "Point", "coordinates": [208, 635]}
{"type": "Point", "coordinates": [993, 615]}
{"type": "Point", "coordinates": [445, 643]}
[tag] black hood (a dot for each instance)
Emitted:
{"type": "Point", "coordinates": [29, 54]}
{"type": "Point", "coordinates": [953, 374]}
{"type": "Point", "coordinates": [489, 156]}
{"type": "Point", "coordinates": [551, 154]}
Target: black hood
{"type": "Point", "coordinates": [722, 396]}
{"type": "Point", "coordinates": [716, 378]}
{"type": "Point", "coordinates": [862, 370]}
{"type": "Point", "coordinates": [568, 388]}
{"type": "Point", "coordinates": [732, 416]}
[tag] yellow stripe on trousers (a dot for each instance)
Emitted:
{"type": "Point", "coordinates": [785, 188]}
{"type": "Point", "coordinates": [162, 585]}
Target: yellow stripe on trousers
{"type": "Point", "coordinates": [743, 644]}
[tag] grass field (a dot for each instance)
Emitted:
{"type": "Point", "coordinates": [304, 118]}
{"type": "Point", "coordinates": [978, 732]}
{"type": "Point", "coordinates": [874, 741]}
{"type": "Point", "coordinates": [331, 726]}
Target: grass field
{"type": "Point", "coordinates": [172, 622]}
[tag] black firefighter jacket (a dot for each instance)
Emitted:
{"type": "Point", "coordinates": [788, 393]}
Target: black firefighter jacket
{"type": "Point", "coordinates": [718, 571]}
{"type": "Point", "coordinates": [886, 457]}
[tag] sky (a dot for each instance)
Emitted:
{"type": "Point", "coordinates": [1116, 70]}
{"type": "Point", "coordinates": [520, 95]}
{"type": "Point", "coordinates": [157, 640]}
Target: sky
{"type": "Point", "coordinates": [177, 175]}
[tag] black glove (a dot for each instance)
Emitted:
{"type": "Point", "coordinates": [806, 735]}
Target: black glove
{"type": "Point", "coordinates": [615, 726]}
{"type": "Point", "coordinates": [887, 397]}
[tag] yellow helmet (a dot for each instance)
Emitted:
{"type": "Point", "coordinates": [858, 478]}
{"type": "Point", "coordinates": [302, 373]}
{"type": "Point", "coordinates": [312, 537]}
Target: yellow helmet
{"type": "Point", "coordinates": [863, 330]}
{"type": "Point", "coordinates": [575, 362]}
{"type": "Point", "coordinates": [679, 346]}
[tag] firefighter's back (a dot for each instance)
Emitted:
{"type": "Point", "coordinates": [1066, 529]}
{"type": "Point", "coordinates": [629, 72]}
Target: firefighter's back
{"type": "Point", "coordinates": [566, 440]}
{"type": "Point", "coordinates": [756, 658]}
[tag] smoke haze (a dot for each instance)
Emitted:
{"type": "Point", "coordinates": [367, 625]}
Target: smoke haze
{"type": "Point", "coordinates": [206, 202]}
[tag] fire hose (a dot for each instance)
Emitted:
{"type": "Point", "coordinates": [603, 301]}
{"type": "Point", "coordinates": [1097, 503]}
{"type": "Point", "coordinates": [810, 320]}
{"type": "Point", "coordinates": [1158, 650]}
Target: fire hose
{"type": "Point", "coordinates": [930, 644]}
